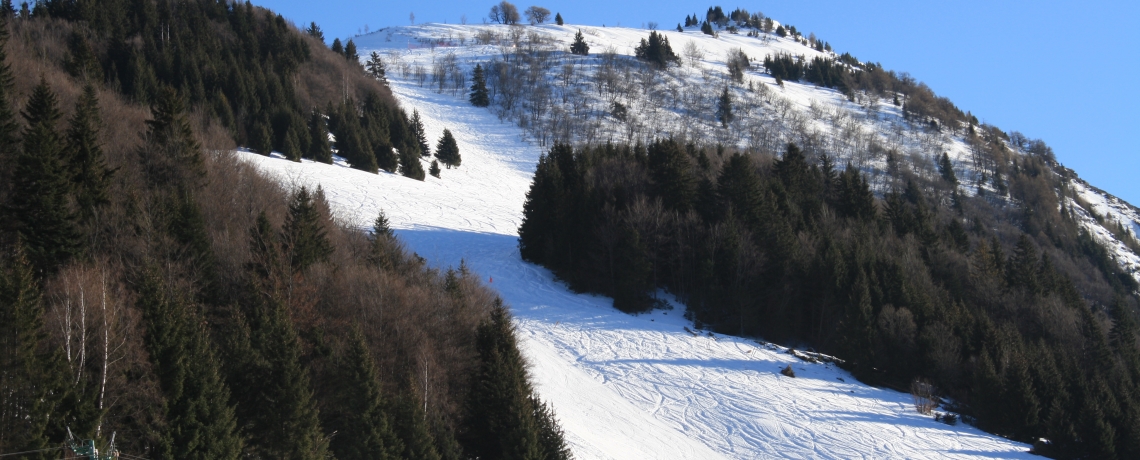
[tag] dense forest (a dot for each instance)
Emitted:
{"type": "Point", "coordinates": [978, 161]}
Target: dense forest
{"type": "Point", "coordinates": [157, 292]}
{"type": "Point", "coordinates": [1025, 325]}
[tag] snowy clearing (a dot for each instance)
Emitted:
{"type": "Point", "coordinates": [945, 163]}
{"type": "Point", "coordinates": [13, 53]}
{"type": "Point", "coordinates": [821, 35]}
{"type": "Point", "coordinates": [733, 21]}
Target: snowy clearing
{"type": "Point", "coordinates": [623, 386]}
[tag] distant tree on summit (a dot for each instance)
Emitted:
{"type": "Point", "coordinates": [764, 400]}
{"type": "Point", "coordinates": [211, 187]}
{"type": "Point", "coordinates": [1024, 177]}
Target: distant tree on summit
{"type": "Point", "coordinates": [558, 18]}
{"type": "Point", "coordinates": [579, 46]}
{"type": "Point", "coordinates": [350, 52]}
{"type": "Point", "coordinates": [337, 47]}
{"type": "Point", "coordinates": [479, 96]}
{"type": "Point", "coordinates": [679, 28]}
{"type": "Point", "coordinates": [781, 31]}
{"type": "Point", "coordinates": [447, 151]}
{"type": "Point", "coordinates": [505, 13]}
{"type": "Point", "coordinates": [537, 15]}
{"type": "Point", "coordinates": [707, 29]}
{"type": "Point", "coordinates": [656, 51]}
{"type": "Point", "coordinates": [315, 31]}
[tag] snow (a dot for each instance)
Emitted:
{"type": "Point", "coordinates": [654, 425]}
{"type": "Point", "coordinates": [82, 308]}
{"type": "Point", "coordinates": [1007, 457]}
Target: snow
{"type": "Point", "coordinates": [622, 386]}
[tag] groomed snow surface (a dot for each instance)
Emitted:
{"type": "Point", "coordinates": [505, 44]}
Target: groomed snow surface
{"type": "Point", "coordinates": [623, 387]}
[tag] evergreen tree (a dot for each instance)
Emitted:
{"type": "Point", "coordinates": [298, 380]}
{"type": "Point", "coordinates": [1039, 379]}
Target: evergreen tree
{"type": "Point", "coordinates": [32, 374]}
{"type": "Point", "coordinates": [550, 435]}
{"type": "Point", "coordinates": [724, 108]}
{"type": "Point", "coordinates": [337, 47]}
{"type": "Point", "coordinates": [315, 31]}
{"type": "Point", "coordinates": [375, 68]}
{"type": "Point", "coordinates": [262, 141]}
{"type": "Point", "coordinates": [580, 47]}
{"type": "Point", "coordinates": [410, 165]}
{"type": "Point", "coordinates": [201, 422]}
{"type": "Point", "coordinates": [39, 201]}
{"type": "Point", "coordinates": [479, 96]}
{"type": "Point", "coordinates": [364, 429]}
{"type": "Point", "coordinates": [412, 427]}
{"type": "Point", "coordinates": [88, 166]}
{"type": "Point", "coordinates": [656, 50]}
{"type": "Point", "coordinates": [350, 52]}
{"type": "Point", "coordinates": [82, 63]}
{"type": "Point", "coordinates": [272, 388]}
{"type": "Point", "coordinates": [434, 170]}
{"type": "Point", "coordinates": [8, 127]}
{"type": "Point", "coordinates": [672, 175]}
{"type": "Point", "coordinates": [558, 18]}
{"type": "Point", "coordinates": [447, 151]}
{"type": "Point", "coordinates": [417, 126]}
{"type": "Point", "coordinates": [173, 155]}
{"type": "Point", "coordinates": [946, 169]}
{"type": "Point", "coordinates": [707, 29]}
{"type": "Point", "coordinates": [501, 423]}
{"type": "Point", "coordinates": [318, 139]}
{"type": "Point", "coordinates": [305, 241]}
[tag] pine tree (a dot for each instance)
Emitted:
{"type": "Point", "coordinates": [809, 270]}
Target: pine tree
{"type": "Point", "coordinates": [172, 156]}
{"type": "Point", "coordinates": [8, 127]}
{"type": "Point", "coordinates": [479, 96]}
{"type": "Point", "coordinates": [364, 429]}
{"type": "Point", "coordinates": [724, 108]}
{"type": "Point", "coordinates": [315, 31]}
{"type": "Point", "coordinates": [201, 422]}
{"type": "Point", "coordinates": [39, 201]}
{"type": "Point", "coordinates": [656, 50]}
{"type": "Point", "coordinates": [88, 166]}
{"type": "Point", "coordinates": [550, 435]}
{"type": "Point", "coordinates": [672, 175]}
{"type": "Point", "coordinates": [272, 388]}
{"type": "Point", "coordinates": [580, 47]}
{"type": "Point", "coordinates": [558, 18]}
{"type": "Point", "coordinates": [501, 421]}
{"type": "Point", "coordinates": [447, 151]}
{"type": "Point", "coordinates": [337, 47]}
{"type": "Point", "coordinates": [946, 169]}
{"type": "Point", "coordinates": [375, 68]}
{"type": "Point", "coordinates": [410, 165]}
{"type": "Point", "coordinates": [707, 29]}
{"type": "Point", "coordinates": [318, 139]}
{"type": "Point", "coordinates": [82, 63]}
{"type": "Point", "coordinates": [350, 52]}
{"type": "Point", "coordinates": [32, 374]}
{"type": "Point", "coordinates": [305, 241]}
{"type": "Point", "coordinates": [434, 170]}
{"type": "Point", "coordinates": [417, 126]}
{"type": "Point", "coordinates": [262, 138]}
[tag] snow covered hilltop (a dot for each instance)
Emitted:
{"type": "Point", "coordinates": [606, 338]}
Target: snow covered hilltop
{"type": "Point", "coordinates": [899, 264]}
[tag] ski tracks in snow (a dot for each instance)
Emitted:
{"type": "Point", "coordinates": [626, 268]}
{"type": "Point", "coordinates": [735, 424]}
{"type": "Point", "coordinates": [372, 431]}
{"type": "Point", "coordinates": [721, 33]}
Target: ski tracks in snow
{"type": "Point", "coordinates": [622, 386]}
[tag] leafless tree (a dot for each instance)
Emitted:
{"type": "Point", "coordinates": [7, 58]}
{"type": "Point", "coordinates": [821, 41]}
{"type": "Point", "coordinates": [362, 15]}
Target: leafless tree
{"type": "Point", "coordinates": [693, 53]}
{"type": "Point", "coordinates": [537, 15]}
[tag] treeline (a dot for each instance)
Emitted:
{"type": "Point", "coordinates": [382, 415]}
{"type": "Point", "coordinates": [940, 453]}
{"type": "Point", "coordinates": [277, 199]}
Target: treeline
{"type": "Point", "coordinates": [1001, 308]}
{"type": "Point", "coordinates": [239, 64]}
{"type": "Point", "coordinates": [157, 291]}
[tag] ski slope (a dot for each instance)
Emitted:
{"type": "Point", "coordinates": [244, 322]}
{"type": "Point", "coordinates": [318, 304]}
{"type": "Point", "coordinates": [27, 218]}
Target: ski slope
{"type": "Point", "coordinates": [623, 387]}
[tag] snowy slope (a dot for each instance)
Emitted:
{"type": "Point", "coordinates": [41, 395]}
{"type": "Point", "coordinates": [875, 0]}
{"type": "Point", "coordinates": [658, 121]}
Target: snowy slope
{"type": "Point", "coordinates": [623, 386]}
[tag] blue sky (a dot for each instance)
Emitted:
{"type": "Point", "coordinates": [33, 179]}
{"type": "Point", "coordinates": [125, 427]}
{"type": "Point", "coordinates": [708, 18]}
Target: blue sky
{"type": "Point", "coordinates": [1062, 71]}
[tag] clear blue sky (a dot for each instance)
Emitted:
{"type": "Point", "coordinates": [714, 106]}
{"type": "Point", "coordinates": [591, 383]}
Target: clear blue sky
{"type": "Point", "coordinates": [1062, 71]}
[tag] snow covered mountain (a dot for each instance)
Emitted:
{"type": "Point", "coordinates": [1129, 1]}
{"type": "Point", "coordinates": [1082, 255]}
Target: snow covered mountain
{"type": "Point", "coordinates": [648, 386]}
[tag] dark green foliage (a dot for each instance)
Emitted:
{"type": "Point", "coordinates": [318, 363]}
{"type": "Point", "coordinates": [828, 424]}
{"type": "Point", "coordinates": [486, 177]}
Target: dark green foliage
{"type": "Point", "coordinates": [479, 96]}
{"type": "Point", "coordinates": [946, 169]}
{"type": "Point", "coordinates": [202, 423]}
{"type": "Point", "coordinates": [724, 108]}
{"type": "Point", "coordinates": [350, 52]}
{"type": "Point", "coordinates": [447, 151]}
{"type": "Point", "coordinates": [434, 169]}
{"type": "Point", "coordinates": [791, 249]}
{"type": "Point", "coordinates": [319, 149]}
{"type": "Point", "coordinates": [82, 63]}
{"type": "Point", "coordinates": [8, 127]}
{"type": "Point", "coordinates": [172, 154]}
{"type": "Point", "coordinates": [364, 428]}
{"type": "Point", "coordinates": [90, 174]}
{"type": "Point", "coordinates": [33, 375]}
{"type": "Point", "coordinates": [417, 126]}
{"type": "Point", "coordinates": [558, 18]}
{"type": "Point", "coordinates": [337, 47]}
{"type": "Point", "coordinates": [375, 67]}
{"type": "Point", "coordinates": [413, 429]}
{"type": "Point", "coordinates": [656, 51]}
{"type": "Point", "coordinates": [707, 29]}
{"type": "Point", "coordinates": [501, 422]}
{"type": "Point", "coordinates": [38, 206]}
{"type": "Point", "coordinates": [271, 386]}
{"type": "Point", "coordinates": [303, 238]}
{"type": "Point", "coordinates": [410, 165]}
{"type": "Point", "coordinates": [579, 47]}
{"type": "Point", "coordinates": [315, 31]}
